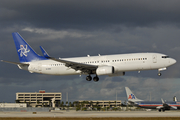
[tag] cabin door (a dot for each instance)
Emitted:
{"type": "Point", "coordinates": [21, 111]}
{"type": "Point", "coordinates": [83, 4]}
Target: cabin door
{"type": "Point", "coordinates": [154, 58]}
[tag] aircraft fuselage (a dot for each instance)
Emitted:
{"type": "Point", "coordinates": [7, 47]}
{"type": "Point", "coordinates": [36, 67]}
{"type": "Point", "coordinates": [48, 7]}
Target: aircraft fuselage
{"type": "Point", "coordinates": [120, 62]}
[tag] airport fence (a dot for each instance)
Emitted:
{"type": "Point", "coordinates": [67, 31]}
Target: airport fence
{"type": "Point", "coordinates": [27, 109]}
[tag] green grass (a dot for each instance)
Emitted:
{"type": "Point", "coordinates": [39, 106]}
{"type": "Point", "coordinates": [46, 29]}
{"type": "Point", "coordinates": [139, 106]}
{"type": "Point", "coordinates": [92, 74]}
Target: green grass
{"type": "Point", "coordinates": [89, 118]}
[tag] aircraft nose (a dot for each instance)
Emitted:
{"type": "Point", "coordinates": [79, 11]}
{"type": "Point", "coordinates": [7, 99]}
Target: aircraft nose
{"type": "Point", "coordinates": [173, 61]}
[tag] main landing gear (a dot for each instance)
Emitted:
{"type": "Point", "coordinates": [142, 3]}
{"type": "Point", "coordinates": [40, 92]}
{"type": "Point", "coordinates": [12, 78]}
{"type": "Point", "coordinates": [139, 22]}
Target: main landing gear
{"type": "Point", "coordinates": [89, 78]}
{"type": "Point", "coordinates": [95, 79]}
{"type": "Point", "coordinates": [163, 110]}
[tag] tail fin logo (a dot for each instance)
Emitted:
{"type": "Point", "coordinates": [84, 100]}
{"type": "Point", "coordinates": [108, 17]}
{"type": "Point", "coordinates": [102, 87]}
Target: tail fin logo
{"type": "Point", "coordinates": [131, 96]}
{"type": "Point", "coordinates": [23, 50]}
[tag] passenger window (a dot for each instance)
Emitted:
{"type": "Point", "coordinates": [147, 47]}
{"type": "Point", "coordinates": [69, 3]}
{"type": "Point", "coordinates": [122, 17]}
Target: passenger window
{"type": "Point", "coordinates": [165, 56]}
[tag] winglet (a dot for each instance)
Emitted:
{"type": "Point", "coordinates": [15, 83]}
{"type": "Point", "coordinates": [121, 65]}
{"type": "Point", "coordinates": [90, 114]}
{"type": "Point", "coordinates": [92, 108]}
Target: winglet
{"type": "Point", "coordinates": [162, 101]}
{"type": "Point", "coordinates": [46, 55]}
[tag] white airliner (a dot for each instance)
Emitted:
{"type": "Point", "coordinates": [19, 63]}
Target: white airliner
{"type": "Point", "coordinates": [111, 65]}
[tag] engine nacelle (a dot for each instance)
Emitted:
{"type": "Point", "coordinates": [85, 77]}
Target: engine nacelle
{"type": "Point", "coordinates": [105, 70]}
{"type": "Point", "coordinates": [108, 70]}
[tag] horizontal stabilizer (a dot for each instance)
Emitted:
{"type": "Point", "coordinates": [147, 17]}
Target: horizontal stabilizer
{"type": "Point", "coordinates": [16, 63]}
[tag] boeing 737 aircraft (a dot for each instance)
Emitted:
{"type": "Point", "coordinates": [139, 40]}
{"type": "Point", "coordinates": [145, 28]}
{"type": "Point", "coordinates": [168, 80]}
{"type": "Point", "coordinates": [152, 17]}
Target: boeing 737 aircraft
{"type": "Point", "coordinates": [111, 65]}
{"type": "Point", "coordinates": [161, 105]}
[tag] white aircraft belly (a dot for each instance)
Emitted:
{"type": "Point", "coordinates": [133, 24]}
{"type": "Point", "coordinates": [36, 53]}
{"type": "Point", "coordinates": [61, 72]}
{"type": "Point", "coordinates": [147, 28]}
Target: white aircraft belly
{"type": "Point", "coordinates": [132, 66]}
{"type": "Point", "coordinates": [60, 70]}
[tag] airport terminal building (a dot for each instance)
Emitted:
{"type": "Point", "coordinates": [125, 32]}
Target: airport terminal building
{"type": "Point", "coordinates": [41, 98]}
{"type": "Point", "coordinates": [100, 103]}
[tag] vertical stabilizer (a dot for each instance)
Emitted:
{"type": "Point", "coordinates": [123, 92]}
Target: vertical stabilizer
{"type": "Point", "coordinates": [24, 50]}
{"type": "Point", "coordinates": [131, 96]}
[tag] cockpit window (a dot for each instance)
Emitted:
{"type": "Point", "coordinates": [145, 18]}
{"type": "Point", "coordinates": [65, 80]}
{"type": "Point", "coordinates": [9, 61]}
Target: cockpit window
{"type": "Point", "coordinates": [165, 56]}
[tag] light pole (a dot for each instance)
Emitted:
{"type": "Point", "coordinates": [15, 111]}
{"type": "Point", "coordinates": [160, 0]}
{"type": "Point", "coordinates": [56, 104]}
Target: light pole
{"type": "Point", "coordinates": [67, 101]}
{"type": "Point", "coordinates": [116, 98]}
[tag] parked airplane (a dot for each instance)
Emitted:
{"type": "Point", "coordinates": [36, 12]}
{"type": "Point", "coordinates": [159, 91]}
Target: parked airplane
{"type": "Point", "coordinates": [112, 65]}
{"type": "Point", "coordinates": [161, 105]}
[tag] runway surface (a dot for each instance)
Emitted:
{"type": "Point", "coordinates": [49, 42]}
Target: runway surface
{"type": "Point", "coordinates": [92, 114]}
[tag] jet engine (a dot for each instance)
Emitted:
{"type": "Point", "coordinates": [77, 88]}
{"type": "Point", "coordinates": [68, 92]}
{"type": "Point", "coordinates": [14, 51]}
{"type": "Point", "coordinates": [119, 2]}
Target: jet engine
{"type": "Point", "coordinates": [108, 70]}
{"type": "Point", "coordinates": [105, 70]}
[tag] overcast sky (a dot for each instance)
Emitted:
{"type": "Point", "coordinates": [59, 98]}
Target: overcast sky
{"type": "Point", "coordinates": [73, 28]}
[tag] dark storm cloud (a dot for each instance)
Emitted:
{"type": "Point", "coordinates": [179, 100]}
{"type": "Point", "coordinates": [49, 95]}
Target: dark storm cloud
{"type": "Point", "coordinates": [92, 14]}
{"type": "Point", "coordinates": [73, 28]}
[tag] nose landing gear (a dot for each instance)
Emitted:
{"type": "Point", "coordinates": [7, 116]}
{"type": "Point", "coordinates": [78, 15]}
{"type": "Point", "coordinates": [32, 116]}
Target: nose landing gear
{"type": "Point", "coordinates": [159, 74]}
{"type": "Point", "coordinates": [159, 71]}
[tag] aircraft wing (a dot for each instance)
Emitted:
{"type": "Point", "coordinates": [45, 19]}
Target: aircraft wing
{"type": "Point", "coordinates": [71, 64]}
{"type": "Point", "coordinates": [77, 66]}
{"type": "Point", "coordinates": [167, 106]}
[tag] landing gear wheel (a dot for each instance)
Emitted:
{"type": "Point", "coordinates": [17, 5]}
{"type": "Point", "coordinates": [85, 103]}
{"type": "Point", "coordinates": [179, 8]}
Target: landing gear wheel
{"type": "Point", "coordinates": [159, 110]}
{"type": "Point", "coordinates": [96, 79]}
{"type": "Point", "coordinates": [159, 74]}
{"type": "Point", "coordinates": [89, 78]}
